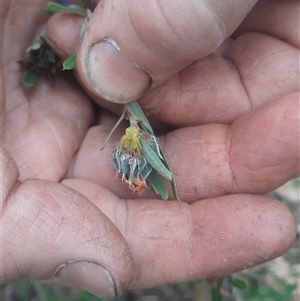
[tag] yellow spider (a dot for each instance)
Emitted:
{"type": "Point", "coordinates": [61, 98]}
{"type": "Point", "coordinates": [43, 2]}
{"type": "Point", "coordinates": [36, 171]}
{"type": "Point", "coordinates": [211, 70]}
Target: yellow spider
{"type": "Point", "coordinates": [131, 140]}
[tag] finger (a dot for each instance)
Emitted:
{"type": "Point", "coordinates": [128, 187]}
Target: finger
{"type": "Point", "coordinates": [256, 154]}
{"type": "Point", "coordinates": [279, 19]}
{"type": "Point", "coordinates": [174, 242]}
{"type": "Point", "coordinates": [130, 46]}
{"type": "Point", "coordinates": [44, 132]}
{"type": "Point", "coordinates": [63, 33]}
{"type": "Point", "coordinates": [43, 127]}
{"type": "Point", "coordinates": [252, 70]}
{"type": "Point", "coordinates": [18, 36]}
{"type": "Point", "coordinates": [52, 232]}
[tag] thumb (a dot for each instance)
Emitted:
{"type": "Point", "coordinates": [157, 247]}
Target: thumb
{"type": "Point", "coordinates": [132, 46]}
{"type": "Point", "coordinates": [51, 232]}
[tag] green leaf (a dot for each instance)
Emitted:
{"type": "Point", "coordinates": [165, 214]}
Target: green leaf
{"type": "Point", "coordinates": [237, 282]}
{"type": "Point", "coordinates": [174, 190]}
{"type": "Point", "coordinates": [157, 149]}
{"type": "Point", "coordinates": [82, 30]}
{"type": "Point", "coordinates": [154, 160]}
{"type": "Point", "coordinates": [38, 287]}
{"type": "Point", "coordinates": [113, 129]}
{"type": "Point", "coordinates": [253, 286]}
{"type": "Point", "coordinates": [70, 62]}
{"type": "Point", "coordinates": [289, 288]}
{"type": "Point", "coordinates": [274, 295]}
{"type": "Point", "coordinates": [135, 109]}
{"type": "Point", "coordinates": [158, 184]}
{"type": "Point", "coordinates": [216, 292]}
{"type": "Point", "coordinates": [53, 8]}
{"type": "Point", "coordinates": [35, 46]}
{"type": "Point", "coordinates": [173, 184]}
{"type": "Point", "coordinates": [31, 78]}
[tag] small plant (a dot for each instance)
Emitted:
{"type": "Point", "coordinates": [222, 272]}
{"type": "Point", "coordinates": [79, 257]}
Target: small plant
{"type": "Point", "coordinates": [138, 157]}
{"type": "Point", "coordinates": [40, 59]}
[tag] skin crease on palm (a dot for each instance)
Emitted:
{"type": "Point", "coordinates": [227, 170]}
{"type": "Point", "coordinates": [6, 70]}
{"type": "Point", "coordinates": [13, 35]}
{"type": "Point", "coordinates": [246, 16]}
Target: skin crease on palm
{"type": "Point", "coordinates": [234, 110]}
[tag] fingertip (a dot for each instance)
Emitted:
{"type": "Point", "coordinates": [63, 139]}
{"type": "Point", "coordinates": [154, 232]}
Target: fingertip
{"type": "Point", "coordinates": [99, 281]}
{"type": "Point", "coordinates": [110, 74]}
{"type": "Point", "coordinates": [60, 226]}
{"type": "Point", "coordinates": [285, 227]}
{"type": "Point", "coordinates": [240, 231]}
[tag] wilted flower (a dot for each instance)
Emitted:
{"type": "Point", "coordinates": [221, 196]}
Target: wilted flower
{"type": "Point", "coordinates": [39, 59]}
{"type": "Point", "coordinates": [138, 158]}
{"type": "Point", "coordinates": [129, 161]}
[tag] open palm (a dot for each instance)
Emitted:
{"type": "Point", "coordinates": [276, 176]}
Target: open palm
{"type": "Point", "coordinates": [236, 135]}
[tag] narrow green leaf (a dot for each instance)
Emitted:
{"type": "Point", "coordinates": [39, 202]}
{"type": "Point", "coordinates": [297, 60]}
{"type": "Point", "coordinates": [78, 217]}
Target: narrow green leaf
{"type": "Point", "coordinates": [31, 78]}
{"type": "Point", "coordinates": [216, 292]}
{"type": "Point", "coordinates": [237, 282]}
{"type": "Point", "coordinates": [82, 30]}
{"type": "Point", "coordinates": [158, 184]}
{"type": "Point", "coordinates": [154, 160]}
{"type": "Point", "coordinates": [135, 109]}
{"type": "Point", "coordinates": [53, 8]}
{"type": "Point", "coordinates": [157, 149]}
{"type": "Point", "coordinates": [113, 130]}
{"type": "Point", "coordinates": [173, 184]}
{"type": "Point", "coordinates": [70, 62]}
{"type": "Point", "coordinates": [174, 190]}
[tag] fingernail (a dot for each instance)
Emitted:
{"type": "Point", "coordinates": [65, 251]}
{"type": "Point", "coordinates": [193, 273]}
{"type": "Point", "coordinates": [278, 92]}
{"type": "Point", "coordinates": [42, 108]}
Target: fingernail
{"type": "Point", "coordinates": [88, 276]}
{"type": "Point", "coordinates": [113, 76]}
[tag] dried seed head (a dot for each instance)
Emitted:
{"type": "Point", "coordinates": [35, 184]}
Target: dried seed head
{"type": "Point", "coordinates": [129, 161]}
{"type": "Point", "coordinates": [131, 165]}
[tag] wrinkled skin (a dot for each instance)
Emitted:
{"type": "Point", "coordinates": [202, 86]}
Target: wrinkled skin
{"type": "Point", "coordinates": [235, 114]}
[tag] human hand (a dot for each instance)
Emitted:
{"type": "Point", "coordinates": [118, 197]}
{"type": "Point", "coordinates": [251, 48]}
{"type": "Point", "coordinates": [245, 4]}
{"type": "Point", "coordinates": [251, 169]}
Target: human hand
{"type": "Point", "coordinates": [62, 209]}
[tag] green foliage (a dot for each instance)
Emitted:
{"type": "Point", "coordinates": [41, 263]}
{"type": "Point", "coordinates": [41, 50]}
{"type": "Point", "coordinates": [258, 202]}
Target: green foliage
{"type": "Point", "coordinates": [137, 113]}
{"type": "Point", "coordinates": [221, 290]}
{"type": "Point", "coordinates": [237, 282]}
{"type": "Point", "coordinates": [154, 160]}
{"type": "Point", "coordinates": [53, 8]}
{"type": "Point", "coordinates": [150, 151]}
{"type": "Point", "coordinates": [216, 292]}
{"type": "Point", "coordinates": [70, 62]}
{"type": "Point", "coordinates": [158, 184]}
{"type": "Point", "coordinates": [39, 59]}
{"type": "Point", "coordinates": [33, 290]}
{"type": "Point", "coordinates": [31, 78]}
